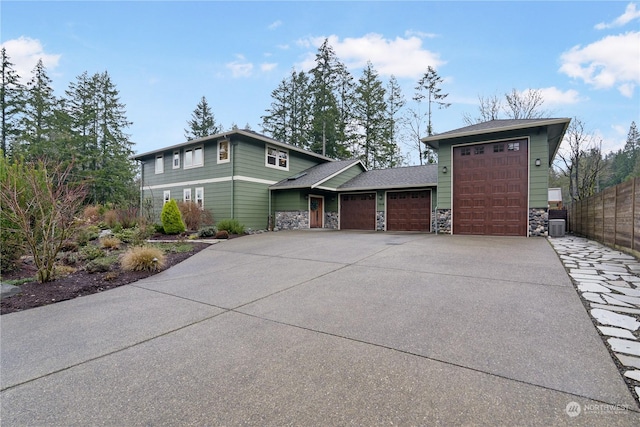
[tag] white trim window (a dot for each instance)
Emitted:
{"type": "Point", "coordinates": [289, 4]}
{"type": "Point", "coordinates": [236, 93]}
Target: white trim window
{"type": "Point", "coordinates": [223, 151]}
{"type": "Point", "coordinates": [200, 197]}
{"type": "Point", "coordinates": [176, 159]}
{"type": "Point", "coordinates": [276, 158]}
{"type": "Point", "coordinates": [166, 196]}
{"type": "Point", "coordinates": [186, 195]}
{"type": "Point", "coordinates": [193, 157]}
{"type": "Point", "coordinates": [159, 164]}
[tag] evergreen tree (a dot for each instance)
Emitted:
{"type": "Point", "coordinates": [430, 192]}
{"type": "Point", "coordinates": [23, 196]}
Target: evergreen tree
{"type": "Point", "coordinates": [288, 119]}
{"type": "Point", "coordinates": [37, 121]}
{"type": "Point", "coordinates": [430, 83]}
{"type": "Point", "coordinates": [395, 102]}
{"type": "Point", "coordinates": [326, 114]}
{"type": "Point", "coordinates": [11, 103]}
{"type": "Point", "coordinates": [345, 97]}
{"type": "Point", "coordinates": [202, 122]}
{"type": "Point", "coordinates": [98, 121]}
{"type": "Point", "coordinates": [372, 118]}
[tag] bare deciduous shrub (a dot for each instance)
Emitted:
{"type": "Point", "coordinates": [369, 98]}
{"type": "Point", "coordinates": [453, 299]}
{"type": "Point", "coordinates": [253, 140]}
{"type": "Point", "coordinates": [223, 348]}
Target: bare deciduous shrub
{"type": "Point", "coordinates": [143, 258]}
{"type": "Point", "coordinates": [91, 214]}
{"type": "Point", "coordinates": [193, 216]}
{"type": "Point", "coordinates": [111, 218]}
{"type": "Point", "coordinates": [40, 203]}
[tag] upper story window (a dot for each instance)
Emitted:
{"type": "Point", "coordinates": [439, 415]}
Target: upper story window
{"type": "Point", "coordinates": [193, 157]}
{"type": "Point", "coordinates": [159, 163]}
{"type": "Point", "coordinates": [277, 158]}
{"type": "Point", "coordinates": [223, 151]}
{"type": "Point", "coordinates": [176, 159]}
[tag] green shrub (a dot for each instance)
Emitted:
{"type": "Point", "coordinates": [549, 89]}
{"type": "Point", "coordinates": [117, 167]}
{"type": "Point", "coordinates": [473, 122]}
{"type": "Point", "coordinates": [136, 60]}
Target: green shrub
{"type": "Point", "coordinates": [91, 252]}
{"type": "Point", "coordinates": [100, 265]}
{"type": "Point", "coordinates": [158, 228]}
{"type": "Point", "coordinates": [143, 258]}
{"type": "Point", "coordinates": [171, 218]}
{"type": "Point", "coordinates": [207, 232]}
{"type": "Point", "coordinates": [11, 246]}
{"type": "Point", "coordinates": [230, 225]}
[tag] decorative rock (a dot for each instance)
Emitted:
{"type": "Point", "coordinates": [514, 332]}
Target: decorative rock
{"type": "Point", "coordinates": [628, 299]}
{"type": "Point", "coordinates": [592, 287]}
{"type": "Point", "coordinates": [8, 290]}
{"type": "Point", "coordinates": [611, 300]}
{"type": "Point", "coordinates": [624, 290]}
{"type": "Point", "coordinates": [616, 308]}
{"type": "Point", "coordinates": [593, 297]}
{"type": "Point", "coordinates": [606, 317]}
{"type": "Point", "coordinates": [616, 332]}
{"type": "Point", "coordinates": [631, 361]}
{"type": "Point", "coordinates": [624, 346]}
{"type": "Point", "coordinates": [634, 375]}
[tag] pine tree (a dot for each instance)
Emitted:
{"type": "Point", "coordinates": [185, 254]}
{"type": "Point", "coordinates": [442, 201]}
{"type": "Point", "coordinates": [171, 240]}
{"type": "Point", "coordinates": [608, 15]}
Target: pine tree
{"type": "Point", "coordinates": [38, 115]}
{"type": "Point", "coordinates": [103, 149]}
{"type": "Point", "coordinates": [288, 118]}
{"type": "Point", "coordinates": [372, 118]}
{"type": "Point", "coordinates": [430, 83]}
{"type": "Point", "coordinates": [202, 122]}
{"type": "Point", "coordinates": [395, 103]}
{"type": "Point", "coordinates": [325, 109]}
{"type": "Point", "coordinates": [11, 103]}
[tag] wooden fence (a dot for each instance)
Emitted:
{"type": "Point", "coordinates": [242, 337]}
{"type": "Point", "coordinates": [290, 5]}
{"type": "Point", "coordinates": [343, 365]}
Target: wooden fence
{"type": "Point", "coordinates": [611, 217]}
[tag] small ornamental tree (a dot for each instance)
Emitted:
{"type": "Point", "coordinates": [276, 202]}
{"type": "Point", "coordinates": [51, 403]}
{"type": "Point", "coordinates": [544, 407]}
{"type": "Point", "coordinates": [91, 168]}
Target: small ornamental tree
{"type": "Point", "coordinates": [40, 205]}
{"type": "Point", "coordinates": [171, 218]}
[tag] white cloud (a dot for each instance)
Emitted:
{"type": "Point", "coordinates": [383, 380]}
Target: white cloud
{"type": "Point", "coordinates": [268, 66]}
{"type": "Point", "coordinates": [554, 96]}
{"type": "Point", "coordinates": [420, 34]}
{"type": "Point", "coordinates": [612, 61]}
{"type": "Point", "coordinates": [240, 68]}
{"type": "Point", "coordinates": [275, 25]}
{"type": "Point", "coordinates": [630, 13]}
{"type": "Point", "coordinates": [402, 57]}
{"type": "Point", "coordinates": [25, 52]}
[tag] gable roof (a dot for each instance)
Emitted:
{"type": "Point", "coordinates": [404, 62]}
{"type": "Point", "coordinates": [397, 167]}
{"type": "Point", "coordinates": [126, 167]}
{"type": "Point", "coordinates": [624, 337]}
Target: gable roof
{"type": "Point", "coordinates": [247, 134]}
{"type": "Point", "coordinates": [316, 175]}
{"type": "Point", "coordinates": [405, 177]}
{"type": "Point", "coordinates": [555, 131]}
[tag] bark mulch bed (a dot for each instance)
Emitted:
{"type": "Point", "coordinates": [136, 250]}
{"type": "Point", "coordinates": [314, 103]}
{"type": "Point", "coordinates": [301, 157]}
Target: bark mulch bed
{"type": "Point", "coordinates": [77, 284]}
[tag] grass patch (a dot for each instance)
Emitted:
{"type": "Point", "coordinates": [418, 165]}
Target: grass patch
{"type": "Point", "coordinates": [174, 248]}
{"type": "Point", "coordinates": [18, 282]}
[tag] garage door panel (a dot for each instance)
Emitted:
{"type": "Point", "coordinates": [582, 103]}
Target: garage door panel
{"type": "Point", "coordinates": [491, 178]}
{"type": "Point", "coordinates": [358, 211]}
{"type": "Point", "coordinates": [409, 211]}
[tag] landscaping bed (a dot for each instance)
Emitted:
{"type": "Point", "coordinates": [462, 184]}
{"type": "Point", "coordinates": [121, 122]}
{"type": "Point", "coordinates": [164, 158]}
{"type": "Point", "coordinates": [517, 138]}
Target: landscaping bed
{"type": "Point", "coordinates": [78, 281]}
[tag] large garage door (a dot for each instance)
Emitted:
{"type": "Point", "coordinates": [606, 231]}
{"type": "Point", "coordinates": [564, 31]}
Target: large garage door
{"type": "Point", "coordinates": [358, 211]}
{"type": "Point", "coordinates": [490, 188]}
{"type": "Point", "coordinates": [409, 211]}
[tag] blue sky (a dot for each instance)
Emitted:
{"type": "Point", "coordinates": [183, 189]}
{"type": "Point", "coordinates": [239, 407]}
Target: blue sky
{"type": "Point", "coordinates": [584, 56]}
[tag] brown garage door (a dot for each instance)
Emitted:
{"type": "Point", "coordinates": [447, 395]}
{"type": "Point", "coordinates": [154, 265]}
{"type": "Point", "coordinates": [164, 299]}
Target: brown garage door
{"type": "Point", "coordinates": [409, 211]}
{"type": "Point", "coordinates": [490, 188]}
{"type": "Point", "coordinates": [358, 211]}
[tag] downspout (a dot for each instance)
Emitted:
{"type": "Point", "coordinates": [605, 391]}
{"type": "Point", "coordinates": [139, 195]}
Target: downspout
{"type": "Point", "coordinates": [141, 186]}
{"type": "Point", "coordinates": [233, 162]}
{"type": "Point", "coordinates": [269, 224]}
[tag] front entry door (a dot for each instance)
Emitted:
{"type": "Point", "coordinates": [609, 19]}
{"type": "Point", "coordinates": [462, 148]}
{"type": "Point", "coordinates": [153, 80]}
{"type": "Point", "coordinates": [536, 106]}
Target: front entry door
{"type": "Point", "coordinates": [315, 212]}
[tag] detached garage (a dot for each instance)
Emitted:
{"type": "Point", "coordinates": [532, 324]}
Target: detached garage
{"type": "Point", "coordinates": [493, 176]}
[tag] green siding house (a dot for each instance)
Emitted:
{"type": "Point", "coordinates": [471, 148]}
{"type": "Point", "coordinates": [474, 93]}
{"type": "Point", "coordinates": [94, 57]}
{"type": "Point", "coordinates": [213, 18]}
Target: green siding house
{"type": "Point", "coordinates": [267, 184]}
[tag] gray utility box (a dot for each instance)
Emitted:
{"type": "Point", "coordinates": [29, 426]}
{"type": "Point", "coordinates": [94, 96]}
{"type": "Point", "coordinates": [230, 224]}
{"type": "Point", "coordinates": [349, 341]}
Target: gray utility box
{"type": "Point", "coordinates": [556, 227]}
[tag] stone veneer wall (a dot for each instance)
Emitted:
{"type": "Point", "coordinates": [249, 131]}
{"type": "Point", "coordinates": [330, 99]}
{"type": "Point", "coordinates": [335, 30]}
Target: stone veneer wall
{"type": "Point", "coordinates": [331, 220]}
{"type": "Point", "coordinates": [538, 222]}
{"type": "Point", "coordinates": [380, 221]}
{"type": "Point", "coordinates": [291, 220]}
{"type": "Point", "coordinates": [443, 218]}
{"type": "Point", "coordinates": [299, 220]}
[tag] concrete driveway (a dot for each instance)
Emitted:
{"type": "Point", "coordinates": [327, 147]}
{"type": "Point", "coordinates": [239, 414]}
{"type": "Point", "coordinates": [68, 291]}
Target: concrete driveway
{"type": "Point", "coordinates": [322, 328]}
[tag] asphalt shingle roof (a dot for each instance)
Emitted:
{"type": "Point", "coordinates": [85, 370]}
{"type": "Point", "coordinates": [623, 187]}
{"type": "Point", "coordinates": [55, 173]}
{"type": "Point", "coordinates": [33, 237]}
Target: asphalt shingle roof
{"type": "Point", "coordinates": [411, 176]}
{"type": "Point", "coordinates": [314, 175]}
